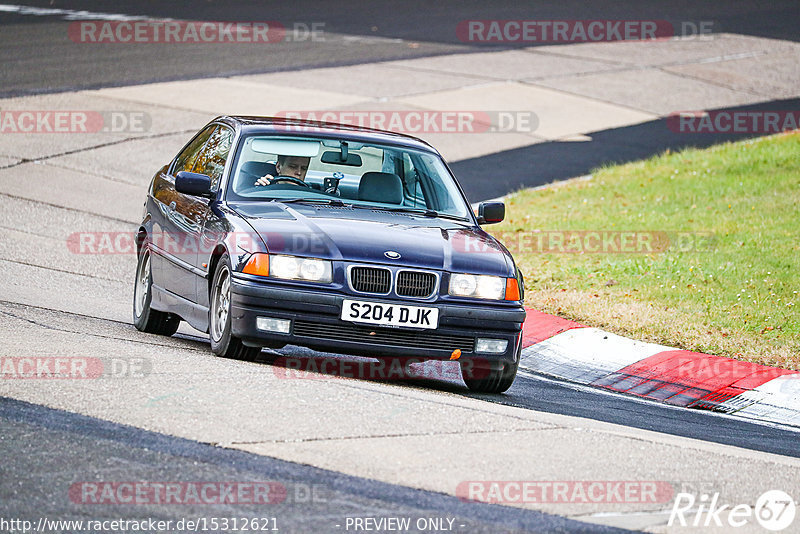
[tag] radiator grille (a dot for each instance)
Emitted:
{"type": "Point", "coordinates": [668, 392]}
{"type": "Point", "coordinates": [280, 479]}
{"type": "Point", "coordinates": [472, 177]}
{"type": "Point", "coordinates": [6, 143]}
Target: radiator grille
{"type": "Point", "coordinates": [415, 284]}
{"type": "Point", "coordinates": [371, 280]}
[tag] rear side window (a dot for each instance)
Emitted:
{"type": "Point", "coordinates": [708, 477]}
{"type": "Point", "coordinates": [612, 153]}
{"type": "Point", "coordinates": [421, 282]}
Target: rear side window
{"type": "Point", "coordinates": [186, 159]}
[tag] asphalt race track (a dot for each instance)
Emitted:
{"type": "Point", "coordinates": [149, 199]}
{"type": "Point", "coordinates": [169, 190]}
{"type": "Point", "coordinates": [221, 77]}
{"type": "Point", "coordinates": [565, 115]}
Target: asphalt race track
{"type": "Point", "coordinates": [39, 55]}
{"type": "Point", "coordinates": [68, 445]}
{"type": "Point", "coordinates": [340, 447]}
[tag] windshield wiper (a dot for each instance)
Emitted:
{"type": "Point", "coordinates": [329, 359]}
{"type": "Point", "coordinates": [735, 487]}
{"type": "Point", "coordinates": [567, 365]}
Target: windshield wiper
{"type": "Point", "coordinates": [329, 201]}
{"type": "Point", "coordinates": [427, 212]}
{"type": "Point", "coordinates": [338, 203]}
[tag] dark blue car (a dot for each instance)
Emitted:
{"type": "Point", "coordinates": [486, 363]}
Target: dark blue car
{"type": "Point", "coordinates": [265, 232]}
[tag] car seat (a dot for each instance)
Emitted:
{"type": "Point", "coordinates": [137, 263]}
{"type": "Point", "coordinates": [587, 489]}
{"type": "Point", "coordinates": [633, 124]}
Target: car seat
{"type": "Point", "coordinates": [255, 170]}
{"type": "Point", "coordinates": [380, 187]}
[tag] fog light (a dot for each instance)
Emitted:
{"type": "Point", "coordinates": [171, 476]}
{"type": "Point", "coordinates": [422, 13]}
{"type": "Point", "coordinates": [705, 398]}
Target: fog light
{"type": "Point", "coordinates": [270, 324]}
{"type": "Point", "coordinates": [492, 346]}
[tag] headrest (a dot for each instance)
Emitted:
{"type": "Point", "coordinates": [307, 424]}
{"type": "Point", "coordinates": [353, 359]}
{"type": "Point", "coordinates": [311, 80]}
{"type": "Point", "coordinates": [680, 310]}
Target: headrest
{"type": "Point", "coordinates": [380, 187]}
{"type": "Point", "coordinates": [260, 168]}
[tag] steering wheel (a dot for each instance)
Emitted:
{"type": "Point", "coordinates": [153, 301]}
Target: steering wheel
{"type": "Point", "coordinates": [290, 179]}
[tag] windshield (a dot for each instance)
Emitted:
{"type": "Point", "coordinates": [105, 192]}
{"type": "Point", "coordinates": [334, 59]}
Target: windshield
{"type": "Point", "coordinates": [374, 175]}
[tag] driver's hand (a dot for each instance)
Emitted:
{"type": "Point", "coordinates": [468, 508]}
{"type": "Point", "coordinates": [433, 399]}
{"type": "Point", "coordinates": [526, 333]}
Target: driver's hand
{"type": "Point", "coordinates": [264, 180]}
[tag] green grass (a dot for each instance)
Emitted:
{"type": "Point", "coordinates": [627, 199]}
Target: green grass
{"type": "Point", "coordinates": [732, 292]}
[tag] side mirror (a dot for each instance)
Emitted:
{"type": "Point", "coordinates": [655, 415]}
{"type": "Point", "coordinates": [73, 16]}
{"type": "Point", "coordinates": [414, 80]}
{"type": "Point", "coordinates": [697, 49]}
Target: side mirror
{"type": "Point", "coordinates": [491, 212]}
{"type": "Point", "coordinates": [193, 183]}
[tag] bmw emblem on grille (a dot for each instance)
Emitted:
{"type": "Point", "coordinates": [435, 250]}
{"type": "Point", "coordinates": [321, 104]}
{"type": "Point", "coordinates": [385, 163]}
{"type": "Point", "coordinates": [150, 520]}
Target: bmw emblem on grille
{"type": "Point", "coordinates": [391, 254]}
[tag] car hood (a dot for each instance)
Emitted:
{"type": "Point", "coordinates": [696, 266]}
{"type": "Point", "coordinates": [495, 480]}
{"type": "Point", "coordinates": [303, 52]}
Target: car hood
{"type": "Point", "coordinates": [365, 235]}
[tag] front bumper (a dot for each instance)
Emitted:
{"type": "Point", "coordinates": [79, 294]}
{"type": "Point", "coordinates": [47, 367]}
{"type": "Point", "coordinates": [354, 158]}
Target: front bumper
{"type": "Point", "coordinates": [316, 324]}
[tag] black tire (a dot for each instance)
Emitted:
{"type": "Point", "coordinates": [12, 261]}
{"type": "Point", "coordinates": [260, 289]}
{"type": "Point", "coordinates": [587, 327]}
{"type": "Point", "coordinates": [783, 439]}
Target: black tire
{"type": "Point", "coordinates": [223, 343]}
{"type": "Point", "coordinates": [145, 318]}
{"type": "Point", "coordinates": [489, 376]}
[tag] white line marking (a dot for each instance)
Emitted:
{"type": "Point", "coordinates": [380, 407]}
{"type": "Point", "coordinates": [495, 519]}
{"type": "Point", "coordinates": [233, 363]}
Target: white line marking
{"type": "Point", "coordinates": [644, 400]}
{"type": "Point", "coordinates": [743, 55]}
{"type": "Point", "coordinates": [69, 14]}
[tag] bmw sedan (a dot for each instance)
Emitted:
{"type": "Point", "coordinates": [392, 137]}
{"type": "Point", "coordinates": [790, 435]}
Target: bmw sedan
{"type": "Point", "coordinates": [265, 232]}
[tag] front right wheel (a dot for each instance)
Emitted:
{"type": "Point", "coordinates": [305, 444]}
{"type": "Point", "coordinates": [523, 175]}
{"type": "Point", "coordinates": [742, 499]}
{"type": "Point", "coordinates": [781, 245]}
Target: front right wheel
{"type": "Point", "coordinates": [223, 342]}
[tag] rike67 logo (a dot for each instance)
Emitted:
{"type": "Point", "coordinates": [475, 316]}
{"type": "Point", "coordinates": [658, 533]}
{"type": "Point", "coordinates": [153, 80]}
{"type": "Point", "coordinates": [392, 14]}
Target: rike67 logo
{"type": "Point", "coordinates": [774, 510]}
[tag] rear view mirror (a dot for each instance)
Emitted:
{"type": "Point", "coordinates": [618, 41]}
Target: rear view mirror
{"type": "Point", "coordinates": [491, 212]}
{"type": "Point", "coordinates": [352, 160]}
{"type": "Point", "coordinates": [193, 183]}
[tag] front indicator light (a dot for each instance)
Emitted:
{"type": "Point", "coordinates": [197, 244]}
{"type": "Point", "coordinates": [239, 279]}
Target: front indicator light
{"type": "Point", "coordinates": [491, 346]}
{"type": "Point", "coordinates": [512, 289]}
{"type": "Point", "coordinates": [258, 264]}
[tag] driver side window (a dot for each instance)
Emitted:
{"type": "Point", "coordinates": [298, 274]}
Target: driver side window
{"type": "Point", "coordinates": [187, 158]}
{"type": "Point", "coordinates": [212, 159]}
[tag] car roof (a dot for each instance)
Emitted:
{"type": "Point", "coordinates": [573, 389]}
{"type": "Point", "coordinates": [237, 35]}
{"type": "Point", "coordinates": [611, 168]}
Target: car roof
{"type": "Point", "coordinates": [328, 130]}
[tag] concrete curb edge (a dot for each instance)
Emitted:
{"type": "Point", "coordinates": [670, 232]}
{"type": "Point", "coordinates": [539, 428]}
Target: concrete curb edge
{"type": "Point", "coordinates": [574, 352]}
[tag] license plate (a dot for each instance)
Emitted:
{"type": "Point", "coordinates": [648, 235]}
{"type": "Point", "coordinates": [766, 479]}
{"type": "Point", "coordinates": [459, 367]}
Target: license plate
{"type": "Point", "coordinates": [379, 313]}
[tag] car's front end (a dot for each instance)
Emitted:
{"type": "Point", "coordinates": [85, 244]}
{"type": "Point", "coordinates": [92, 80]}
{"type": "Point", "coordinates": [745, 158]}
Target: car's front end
{"type": "Point", "coordinates": [381, 285]}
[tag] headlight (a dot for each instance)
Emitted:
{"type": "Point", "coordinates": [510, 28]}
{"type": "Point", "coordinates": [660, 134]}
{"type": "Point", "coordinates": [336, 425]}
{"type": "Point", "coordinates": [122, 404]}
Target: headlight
{"type": "Point", "coordinates": [290, 267]}
{"type": "Point", "coordinates": [293, 268]}
{"type": "Point", "coordinates": [478, 286]}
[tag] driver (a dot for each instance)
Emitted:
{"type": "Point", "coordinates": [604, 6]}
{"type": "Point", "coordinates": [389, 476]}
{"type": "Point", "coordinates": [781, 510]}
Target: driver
{"type": "Point", "coordinates": [293, 166]}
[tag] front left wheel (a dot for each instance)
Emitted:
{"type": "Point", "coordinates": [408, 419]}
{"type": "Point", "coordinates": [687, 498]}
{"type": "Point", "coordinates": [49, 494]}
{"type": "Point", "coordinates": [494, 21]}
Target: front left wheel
{"type": "Point", "coordinates": [223, 342]}
{"type": "Point", "coordinates": [490, 376]}
{"type": "Point", "coordinates": [146, 318]}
